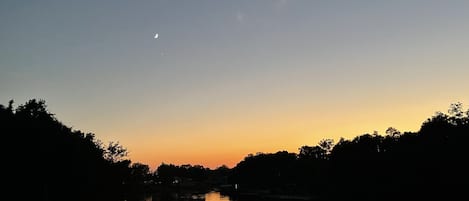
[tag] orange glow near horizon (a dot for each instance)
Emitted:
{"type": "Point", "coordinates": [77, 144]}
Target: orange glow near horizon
{"type": "Point", "coordinates": [228, 141]}
{"type": "Point", "coordinates": [215, 87]}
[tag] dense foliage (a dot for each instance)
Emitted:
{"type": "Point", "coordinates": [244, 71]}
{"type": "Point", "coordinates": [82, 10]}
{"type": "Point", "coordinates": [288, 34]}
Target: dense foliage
{"type": "Point", "coordinates": [51, 161]}
{"type": "Point", "coordinates": [430, 163]}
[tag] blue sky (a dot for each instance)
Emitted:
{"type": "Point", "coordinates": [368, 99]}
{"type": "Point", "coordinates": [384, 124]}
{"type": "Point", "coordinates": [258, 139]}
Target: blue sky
{"type": "Point", "coordinates": [272, 72]}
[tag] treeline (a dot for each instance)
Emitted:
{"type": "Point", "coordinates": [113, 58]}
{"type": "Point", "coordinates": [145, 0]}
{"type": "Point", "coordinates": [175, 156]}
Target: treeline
{"type": "Point", "coordinates": [428, 164]}
{"type": "Point", "coordinates": [46, 160]}
{"type": "Point", "coordinates": [51, 161]}
{"type": "Point", "coordinates": [169, 173]}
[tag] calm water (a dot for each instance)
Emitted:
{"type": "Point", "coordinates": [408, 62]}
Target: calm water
{"type": "Point", "coordinates": [210, 196]}
{"type": "Point", "coordinates": [216, 196]}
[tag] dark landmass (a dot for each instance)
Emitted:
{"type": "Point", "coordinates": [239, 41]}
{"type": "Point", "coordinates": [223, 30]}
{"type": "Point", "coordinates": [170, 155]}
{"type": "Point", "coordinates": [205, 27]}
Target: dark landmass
{"type": "Point", "coordinates": [52, 161]}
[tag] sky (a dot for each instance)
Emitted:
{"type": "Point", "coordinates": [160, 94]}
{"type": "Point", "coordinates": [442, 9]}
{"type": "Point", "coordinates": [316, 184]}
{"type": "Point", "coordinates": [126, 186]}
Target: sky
{"type": "Point", "coordinates": [228, 78]}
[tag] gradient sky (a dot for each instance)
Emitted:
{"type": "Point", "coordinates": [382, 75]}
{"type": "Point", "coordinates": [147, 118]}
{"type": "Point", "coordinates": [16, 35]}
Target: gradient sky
{"type": "Point", "coordinates": [229, 78]}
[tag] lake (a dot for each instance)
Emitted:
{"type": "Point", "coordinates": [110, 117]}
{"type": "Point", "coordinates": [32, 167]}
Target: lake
{"type": "Point", "coordinates": [210, 196]}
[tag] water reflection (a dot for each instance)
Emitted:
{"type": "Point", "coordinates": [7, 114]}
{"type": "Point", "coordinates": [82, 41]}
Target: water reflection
{"type": "Point", "coordinates": [216, 196]}
{"type": "Point", "coordinates": [210, 196]}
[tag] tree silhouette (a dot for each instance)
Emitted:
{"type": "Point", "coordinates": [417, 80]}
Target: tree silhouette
{"type": "Point", "coordinates": [54, 162]}
{"type": "Point", "coordinates": [429, 164]}
{"type": "Point", "coordinates": [326, 145]}
{"type": "Point", "coordinates": [393, 132]}
{"type": "Point", "coordinates": [115, 152]}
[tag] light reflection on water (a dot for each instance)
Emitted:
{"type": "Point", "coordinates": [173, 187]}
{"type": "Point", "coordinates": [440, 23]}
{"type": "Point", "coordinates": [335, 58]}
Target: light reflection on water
{"type": "Point", "coordinates": [210, 196]}
{"type": "Point", "coordinates": [216, 196]}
